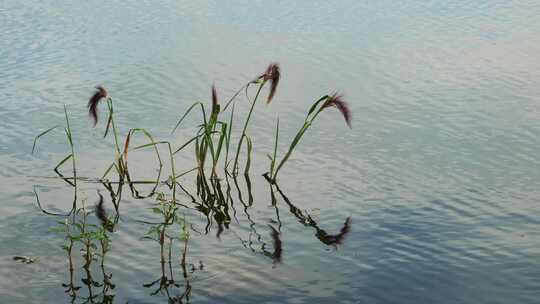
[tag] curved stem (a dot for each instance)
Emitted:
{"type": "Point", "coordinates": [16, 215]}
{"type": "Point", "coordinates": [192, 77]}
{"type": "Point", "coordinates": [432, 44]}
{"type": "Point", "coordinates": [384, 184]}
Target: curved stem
{"type": "Point", "coordinates": [235, 165]}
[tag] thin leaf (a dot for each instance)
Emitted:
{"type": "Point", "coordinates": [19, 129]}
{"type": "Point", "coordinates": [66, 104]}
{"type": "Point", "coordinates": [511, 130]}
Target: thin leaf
{"type": "Point", "coordinates": [185, 144]}
{"type": "Point", "coordinates": [63, 161]}
{"type": "Point", "coordinates": [314, 106]}
{"type": "Point", "coordinates": [41, 134]}
{"type": "Point", "coordinates": [184, 116]}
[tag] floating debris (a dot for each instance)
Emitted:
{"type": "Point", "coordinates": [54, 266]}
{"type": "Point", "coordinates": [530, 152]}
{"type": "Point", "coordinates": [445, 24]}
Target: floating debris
{"type": "Point", "coordinates": [24, 259]}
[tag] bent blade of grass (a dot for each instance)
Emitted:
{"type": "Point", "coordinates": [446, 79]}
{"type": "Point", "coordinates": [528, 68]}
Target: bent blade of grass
{"type": "Point", "coordinates": [186, 144]}
{"type": "Point", "coordinates": [186, 172]}
{"type": "Point", "coordinates": [45, 211]}
{"type": "Point", "coordinates": [40, 135]}
{"type": "Point", "coordinates": [57, 171]}
{"type": "Point", "coordinates": [185, 114]}
{"type": "Point", "coordinates": [171, 156]}
{"type": "Point", "coordinates": [150, 145]}
{"type": "Point", "coordinates": [234, 96]}
{"type": "Point", "coordinates": [261, 85]}
{"type": "Point", "coordinates": [63, 161]}
{"type": "Point", "coordinates": [315, 104]}
{"type": "Point", "coordinates": [73, 160]}
{"type": "Point", "coordinates": [150, 137]}
{"type": "Point", "coordinates": [160, 163]}
{"type": "Point", "coordinates": [107, 171]}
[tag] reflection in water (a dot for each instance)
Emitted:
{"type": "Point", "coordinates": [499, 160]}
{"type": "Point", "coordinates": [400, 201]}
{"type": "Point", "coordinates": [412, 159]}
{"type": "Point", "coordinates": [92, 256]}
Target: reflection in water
{"type": "Point", "coordinates": [161, 233]}
{"type": "Point", "coordinates": [307, 220]}
{"type": "Point", "coordinates": [276, 255]}
{"type": "Point", "coordinates": [94, 244]}
{"type": "Point", "coordinates": [213, 200]}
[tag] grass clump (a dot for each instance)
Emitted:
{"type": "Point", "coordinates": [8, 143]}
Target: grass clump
{"type": "Point", "coordinates": [213, 138]}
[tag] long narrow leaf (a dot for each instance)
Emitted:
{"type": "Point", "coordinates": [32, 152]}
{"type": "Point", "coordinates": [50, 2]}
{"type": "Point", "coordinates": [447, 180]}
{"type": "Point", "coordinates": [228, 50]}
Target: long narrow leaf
{"type": "Point", "coordinates": [186, 144]}
{"type": "Point", "coordinates": [314, 106]}
{"type": "Point", "coordinates": [40, 135]}
{"type": "Point", "coordinates": [63, 161]}
{"type": "Point", "coordinates": [184, 116]}
{"type": "Point", "coordinates": [150, 144]}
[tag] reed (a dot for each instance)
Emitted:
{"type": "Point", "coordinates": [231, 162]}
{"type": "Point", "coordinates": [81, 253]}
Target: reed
{"type": "Point", "coordinates": [327, 101]}
{"type": "Point", "coordinates": [272, 75]}
{"type": "Point", "coordinates": [213, 137]}
{"type": "Point", "coordinates": [72, 181]}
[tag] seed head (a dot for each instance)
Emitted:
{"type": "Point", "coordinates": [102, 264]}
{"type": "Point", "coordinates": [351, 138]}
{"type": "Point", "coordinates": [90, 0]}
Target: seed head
{"type": "Point", "coordinates": [214, 98]}
{"type": "Point", "coordinates": [94, 101]}
{"type": "Point", "coordinates": [272, 74]}
{"type": "Point", "coordinates": [336, 100]}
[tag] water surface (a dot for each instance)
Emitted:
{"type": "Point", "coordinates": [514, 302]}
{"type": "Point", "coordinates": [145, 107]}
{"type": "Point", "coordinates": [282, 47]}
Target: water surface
{"type": "Point", "coordinates": [439, 173]}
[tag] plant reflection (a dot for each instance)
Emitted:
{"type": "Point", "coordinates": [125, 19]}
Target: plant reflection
{"type": "Point", "coordinates": [213, 201]}
{"type": "Point", "coordinates": [94, 243]}
{"type": "Point", "coordinates": [163, 233]}
{"type": "Point", "coordinates": [307, 220]}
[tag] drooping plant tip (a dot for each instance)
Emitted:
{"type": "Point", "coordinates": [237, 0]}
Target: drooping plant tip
{"type": "Point", "coordinates": [272, 74]}
{"type": "Point", "coordinates": [336, 100]}
{"type": "Point", "coordinates": [94, 101]}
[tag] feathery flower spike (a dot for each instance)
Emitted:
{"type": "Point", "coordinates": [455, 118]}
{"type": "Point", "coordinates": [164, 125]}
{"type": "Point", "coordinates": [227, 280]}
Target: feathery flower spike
{"type": "Point", "coordinates": [336, 100]}
{"type": "Point", "coordinates": [94, 101]}
{"type": "Point", "coordinates": [272, 74]}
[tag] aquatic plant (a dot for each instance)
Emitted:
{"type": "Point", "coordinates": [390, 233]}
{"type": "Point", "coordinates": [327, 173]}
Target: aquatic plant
{"type": "Point", "coordinates": [327, 101]}
{"type": "Point", "coordinates": [94, 244]}
{"type": "Point", "coordinates": [167, 210]}
{"type": "Point", "coordinates": [70, 181]}
{"type": "Point", "coordinates": [213, 137]}
{"type": "Point", "coordinates": [272, 75]}
{"type": "Point", "coordinates": [214, 186]}
{"type": "Point", "coordinates": [100, 94]}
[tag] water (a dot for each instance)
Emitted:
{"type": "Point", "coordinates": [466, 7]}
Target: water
{"type": "Point", "coordinates": [439, 173]}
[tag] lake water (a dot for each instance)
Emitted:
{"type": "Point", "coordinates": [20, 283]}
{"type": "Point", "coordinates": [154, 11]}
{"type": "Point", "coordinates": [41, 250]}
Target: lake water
{"type": "Point", "coordinates": [439, 174]}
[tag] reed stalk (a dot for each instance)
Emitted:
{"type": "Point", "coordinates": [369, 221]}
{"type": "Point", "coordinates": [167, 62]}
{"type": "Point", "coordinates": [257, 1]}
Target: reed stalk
{"type": "Point", "coordinates": [334, 100]}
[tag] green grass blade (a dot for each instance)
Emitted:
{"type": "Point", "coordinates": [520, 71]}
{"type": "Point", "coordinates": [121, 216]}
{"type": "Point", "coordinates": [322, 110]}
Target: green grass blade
{"type": "Point", "coordinates": [233, 97]}
{"type": "Point", "coordinates": [63, 161]}
{"type": "Point", "coordinates": [150, 144]}
{"type": "Point", "coordinates": [315, 104]}
{"type": "Point", "coordinates": [188, 171]}
{"type": "Point", "coordinates": [184, 116]}
{"type": "Point", "coordinates": [107, 171]}
{"type": "Point", "coordinates": [222, 136]}
{"type": "Point", "coordinates": [186, 144]}
{"type": "Point", "coordinates": [40, 135]}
